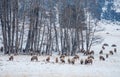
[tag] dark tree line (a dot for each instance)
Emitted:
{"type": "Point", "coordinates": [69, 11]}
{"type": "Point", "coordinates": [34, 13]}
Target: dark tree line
{"type": "Point", "coordinates": [9, 23]}
{"type": "Point", "coordinates": [43, 27]}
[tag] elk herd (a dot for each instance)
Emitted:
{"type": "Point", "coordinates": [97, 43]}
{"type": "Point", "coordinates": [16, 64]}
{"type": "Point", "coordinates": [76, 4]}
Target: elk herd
{"type": "Point", "coordinates": [89, 56]}
{"type": "Point", "coordinates": [110, 52]}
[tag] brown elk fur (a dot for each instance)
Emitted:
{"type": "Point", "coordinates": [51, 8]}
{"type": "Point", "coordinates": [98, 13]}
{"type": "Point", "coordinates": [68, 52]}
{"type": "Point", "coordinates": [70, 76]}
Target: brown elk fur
{"type": "Point", "coordinates": [90, 57]}
{"type": "Point", "coordinates": [76, 57]}
{"type": "Point", "coordinates": [113, 45]}
{"type": "Point", "coordinates": [62, 56]}
{"type": "Point", "coordinates": [115, 50]}
{"type": "Point", "coordinates": [103, 47]}
{"type": "Point", "coordinates": [48, 59]}
{"type": "Point", "coordinates": [105, 44]}
{"type": "Point", "coordinates": [81, 61]}
{"type": "Point", "coordinates": [111, 52]}
{"type": "Point", "coordinates": [86, 53]}
{"type": "Point", "coordinates": [102, 58]}
{"type": "Point", "coordinates": [73, 61]}
{"type": "Point", "coordinates": [107, 55]}
{"type": "Point", "coordinates": [34, 58]}
{"type": "Point", "coordinates": [82, 50]}
{"type": "Point", "coordinates": [91, 52]}
{"type": "Point", "coordinates": [101, 52]}
{"type": "Point", "coordinates": [11, 58]}
{"type": "Point", "coordinates": [56, 60]}
{"type": "Point", "coordinates": [88, 61]}
{"type": "Point", "coordinates": [62, 60]}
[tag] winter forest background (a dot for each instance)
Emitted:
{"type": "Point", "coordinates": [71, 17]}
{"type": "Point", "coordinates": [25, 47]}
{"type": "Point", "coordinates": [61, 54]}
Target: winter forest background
{"type": "Point", "coordinates": [47, 26]}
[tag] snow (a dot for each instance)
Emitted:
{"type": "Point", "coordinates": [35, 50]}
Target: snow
{"type": "Point", "coordinates": [23, 67]}
{"type": "Point", "coordinates": [117, 5]}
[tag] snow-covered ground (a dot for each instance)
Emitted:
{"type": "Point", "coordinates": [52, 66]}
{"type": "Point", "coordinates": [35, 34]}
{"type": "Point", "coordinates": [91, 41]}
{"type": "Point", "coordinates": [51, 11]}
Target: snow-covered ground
{"type": "Point", "coordinates": [23, 67]}
{"type": "Point", "coordinates": [117, 5]}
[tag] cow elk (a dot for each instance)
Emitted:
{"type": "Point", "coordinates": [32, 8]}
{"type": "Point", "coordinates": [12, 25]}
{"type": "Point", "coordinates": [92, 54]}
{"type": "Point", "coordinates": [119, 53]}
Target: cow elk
{"type": "Point", "coordinates": [34, 58]}
{"type": "Point", "coordinates": [103, 47]}
{"type": "Point", "coordinates": [115, 50]}
{"type": "Point", "coordinates": [91, 52]}
{"type": "Point", "coordinates": [107, 55]}
{"type": "Point", "coordinates": [76, 57]}
{"type": "Point", "coordinates": [105, 44]}
{"type": "Point", "coordinates": [88, 61]}
{"type": "Point", "coordinates": [48, 59]}
{"type": "Point", "coordinates": [113, 45]}
{"type": "Point", "coordinates": [62, 60]}
{"type": "Point", "coordinates": [101, 52]}
{"type": "Point", "coordinates": [73, 61]}
{"type": "Point", "coordinates": [56, 60]}
{"type": "Point", "coordinates": [111, 52]}
{"type": "Point", "coordinates": [62, 56]}
{"type": "Point", "coordinates": [86, 53]}
{"type": "Point", "coordinates": [102, 58]}
{"type": "Point", "coordinates": [90, 57]}
{"type": "Point", "coordinates": [82, 50]}
{"type": "Point", "coordinates": [11, 58]}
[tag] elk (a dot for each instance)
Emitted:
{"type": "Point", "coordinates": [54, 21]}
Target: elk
{"type": "Point", "coordinates": [76, 57]}
{"type": "Point", "coordinates": [11, 58]}
{"type": "Point", "coordinates": [113, 45]}
{"type": "Point", "coordinates": [105, 44]}
{"type": "Point", "coordinates": [115, 50]}
{"type": "Point", "coordinates": [86, 53]}
{"type": "Point", "coordinates": [111, 52]}
{"type": "Point", "coordinates": [107, 55]}
{"type": "Point", "coordinates": [34, 58]}
{"type": "Point", "coordinates": [90, 57]}
{"type": "Point", "coordinates": [101, 52]}
{"type": "Point", "coordinates": [103, 47]}
{"type": "Point", "coordinates": [62, 60]}
{"type": "Point", "coordinates": [81, 61]}
{"type": "Point", "coordinates": [102, 58]}
{"type": "Point", "coordinates": [48, 59]}
{"type": "Point", "coordinates": [82, 50]}
{"type": "Point", "coordinates": [88, 61]}
{"type": "Point", "coordinates": [62, 56]}
{"type": "Point", "coordinates": [89, 53]}
{"type": "Point", "coordinates": [56, 60]}
{"type": "Point", "coordinates": [92, 52]}
{"type": "Point", "coordinates": [73, 61]}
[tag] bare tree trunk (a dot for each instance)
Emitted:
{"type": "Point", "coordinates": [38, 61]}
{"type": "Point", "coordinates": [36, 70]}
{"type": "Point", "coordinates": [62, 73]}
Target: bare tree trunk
{"type": "Point", "coordinates": [16, 42]}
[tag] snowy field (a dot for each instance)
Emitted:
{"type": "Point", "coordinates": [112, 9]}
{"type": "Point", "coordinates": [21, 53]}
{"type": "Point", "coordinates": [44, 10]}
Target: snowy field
{"type": "Point", "coordinates": [23, 67]}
